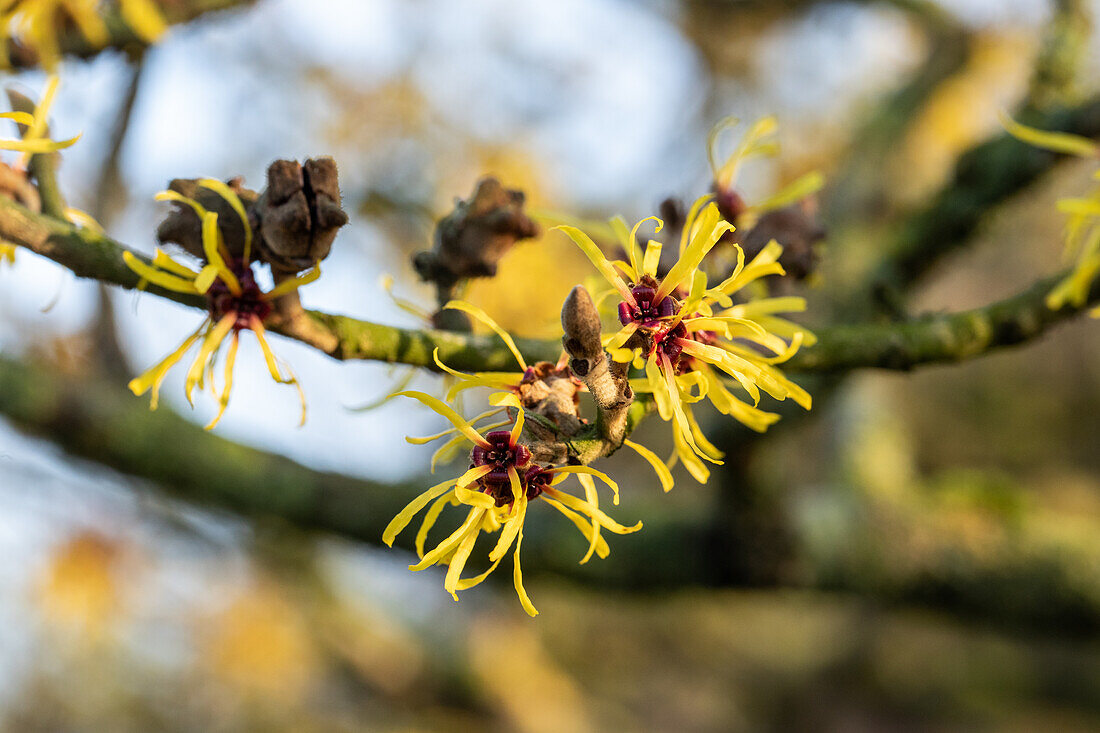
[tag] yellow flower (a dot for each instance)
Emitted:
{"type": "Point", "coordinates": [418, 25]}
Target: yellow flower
{"type": "Point", "coordinates": [695, 341]}
{"type": "Point", "coordinates": [40, 23]}
{"type": "Point", "coordinates": [501, 482]}
{"type": "Point", "coordinates": [235, 303]}
{"type": "Point", "coordinates": [34, 139]}
{"type": "Point", "coordinates": [1083, 215]}
{"type": "Point", "coordinates": [755, 143]}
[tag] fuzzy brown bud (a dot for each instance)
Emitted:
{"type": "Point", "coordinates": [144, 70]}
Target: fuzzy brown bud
{"type": "Point", "coordinates": [581, 324]}
{"type": "Point", "coordinates": [299, 213]}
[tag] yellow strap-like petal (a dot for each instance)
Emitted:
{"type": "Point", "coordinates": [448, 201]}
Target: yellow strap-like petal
{"type": "Point", "coordinates": [483, 381]}
{"type": "Point", "coordinates": [386, 283]}
{"type": "Point", "coordinates": [726, 123]}
{"type": "Point", "coordinates": [153, 378]}
{"type": "Point", "coordinates": [37, 128]}
{"type": "Point", "coordinates": [517, 429]}
{"type": "Point", "coordinates": [444, 548]}
{"type": "Point", "coordinates": [20, 118]}
{"type": "Point", "coordinates": [593, 498]}
{"type": "Point", "coordinates": [690, 458]}
{"type": "Point", "coordinates": [584, 525]}
{"type": "Point", "coordinates": [87, 18]}
{"type": "Point", "coordinates": [505, 399]}
{"type": "Point", "coordinates": [633, 239]}
{"type": "Point", "coordinates": [213, 248]}
{"type": "Point", "coordinates": [1059, 142]}
{"type": "Point", "coordinates": [399, 522]}
{"type": "Point", "coordinates": [448, 450]}
{"type": "Point", "coordinates": [690, 220]}
{"type": "Point", "coordinates": [144, 18]}
{"type": "Point", "coordinates": [230, 360]}
{"type": "Point", "coordinates": [214, 338]}
{"type": "Point", "coordinates": [588, 470]}
{"type": "Point", "coordinates": [678, 413]}
{"type": "Point", "coordinates": [492, 380]}
{"type": "Point", "coordinates": [160, 278]}
{"type": "Point", "coordinates": [597, 258]}
{"type": "Point", "coordinates": [421, 440]}
{"type": "Point", "coordinates": [430, 518]}
{"type": "Point", "coordinates": [751, 144]}
{"type": "Point", "coordinates": [466, 583]}
{"type": "Point", "coordinates": [293, 283]}
{"type": "Point", "coordinates": [514, 523]}
{"type": "Point", "coordinates": [206, 278]}
{"type": "Point", "coordinates": [234, 201]}
{"type": "Point", "coordinates": [475, 498]}
{"type": "Point", "coordinates": [620, 337]}
{"type": "Point", "coordinates": [445, 410]}
{"type": "Point", "coordinates": [517, 580]}
{"type": "Point", "coordinates": [693, 255]}
{"type": "Point", "coordinates": [480, 315]}
{"type": "Point", "coordinates": [622, 233]}
{"type": "Point", "coordinates": [588, 510]}
{"type": "Point", "coordinates": [257, 327]}
{"type": "Point", "coordinates": [795, 191]}
{"type": "Point", "coordinates": [659, 467]}
{"type": "Point", "coordinates": [162, 260]}
{"type": "Point", "coordinates": [458, 562]}
{"type": "Point", "coordinates": [170, 195]}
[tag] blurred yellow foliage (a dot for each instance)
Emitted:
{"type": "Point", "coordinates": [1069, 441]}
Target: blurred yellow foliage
{"type": "Point", "coordinates": [80, 588]}
{"type": "Point", "coordinates": [260, 647]}
{"type": "Point", "coordinates": [514, 671]}
{"type": "Point", "coordinates": [963, 110]}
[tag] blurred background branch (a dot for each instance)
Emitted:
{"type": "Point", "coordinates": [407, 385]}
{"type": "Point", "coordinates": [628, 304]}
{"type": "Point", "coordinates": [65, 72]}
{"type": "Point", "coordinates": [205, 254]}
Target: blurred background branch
{"type": "Point", "coordinates": [121, 36]}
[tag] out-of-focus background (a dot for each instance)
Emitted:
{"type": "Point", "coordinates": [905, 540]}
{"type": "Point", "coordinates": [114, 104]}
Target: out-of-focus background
{"type": "Point", "coordinates": [921, 552]}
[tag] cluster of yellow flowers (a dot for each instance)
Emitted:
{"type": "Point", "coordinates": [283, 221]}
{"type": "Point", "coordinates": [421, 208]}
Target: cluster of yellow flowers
{"type": "Point", "coordinates": [35, 139]}
{"type": "Point", "coordinates": [686, 341]}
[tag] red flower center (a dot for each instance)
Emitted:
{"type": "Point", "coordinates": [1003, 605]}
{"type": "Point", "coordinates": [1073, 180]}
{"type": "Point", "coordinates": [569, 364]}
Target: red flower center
{"type": "Point", "coordinates": [648, 312]}
{"type": "Point", "coordinates": [501, 454]}
{"type": "Point", "coordinates": [221, 301]}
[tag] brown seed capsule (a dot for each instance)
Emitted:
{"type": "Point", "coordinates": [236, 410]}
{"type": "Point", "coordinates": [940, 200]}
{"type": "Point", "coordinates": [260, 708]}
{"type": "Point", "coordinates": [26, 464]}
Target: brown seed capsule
{"type": "Point", "coordinates": [470, 241]}
{"type": "Point", "coordinates": [299, 213]}
{"type": "Point", "coordinates": [183, 226]}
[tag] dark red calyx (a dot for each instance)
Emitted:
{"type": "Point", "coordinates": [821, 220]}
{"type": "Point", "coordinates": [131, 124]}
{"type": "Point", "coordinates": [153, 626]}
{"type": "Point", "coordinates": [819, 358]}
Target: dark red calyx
{"type": "Point", "coordinates": [670, 345]}
{"type": "Point", "coordinates": [648, 311]}
{"type": "Point", "coordinates": [730, 204]}
{"type": "Point", "coordinates": [501, 454]}
{"type": "Point", "coordinates": [220, 300]}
